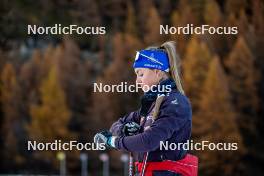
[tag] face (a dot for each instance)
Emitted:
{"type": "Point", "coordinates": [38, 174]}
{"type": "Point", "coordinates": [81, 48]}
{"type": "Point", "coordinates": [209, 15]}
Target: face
{"type": "Point", "coordinates": [147, 77]}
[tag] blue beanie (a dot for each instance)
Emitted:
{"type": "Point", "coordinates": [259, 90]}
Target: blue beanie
{"type": "Point", "coordinates": [153, 59]}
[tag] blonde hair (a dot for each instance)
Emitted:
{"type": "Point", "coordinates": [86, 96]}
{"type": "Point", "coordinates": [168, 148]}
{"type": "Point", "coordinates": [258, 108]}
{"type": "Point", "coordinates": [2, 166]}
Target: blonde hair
{"type": "Point", "coordinates": [174, 61]}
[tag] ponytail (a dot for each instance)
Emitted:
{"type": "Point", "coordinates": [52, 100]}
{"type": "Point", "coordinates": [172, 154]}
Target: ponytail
{"type": "Point", "coordinates": [170, 48]}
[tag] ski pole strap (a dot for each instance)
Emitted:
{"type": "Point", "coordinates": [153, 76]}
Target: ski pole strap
{"type": "Point", "coordinates": [131, 165]}
{"type": "Point", "coordinates": [188, 166]}
{"type": "Point", "coordinates": [144, 164]}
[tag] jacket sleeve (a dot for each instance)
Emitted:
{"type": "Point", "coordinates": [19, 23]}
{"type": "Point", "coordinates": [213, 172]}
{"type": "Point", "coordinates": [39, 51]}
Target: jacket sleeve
{"type": "Point", "coordinates": [116, 128]}
{"type": "Point", "coordinates": [172, 117]}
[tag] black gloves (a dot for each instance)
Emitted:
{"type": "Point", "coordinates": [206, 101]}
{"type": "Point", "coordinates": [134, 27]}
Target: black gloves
{"type": "Point", "coordinates": [130, 129]}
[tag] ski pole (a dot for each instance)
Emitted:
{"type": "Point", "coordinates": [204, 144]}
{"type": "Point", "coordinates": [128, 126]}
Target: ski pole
{"type": "Point", "coordinates": [131, 162]}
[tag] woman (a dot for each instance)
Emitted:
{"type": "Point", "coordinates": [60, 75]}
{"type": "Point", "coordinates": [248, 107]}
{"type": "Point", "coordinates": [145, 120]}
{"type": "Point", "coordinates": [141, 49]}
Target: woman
{"type": "Point", "coordinates": [165, 117]}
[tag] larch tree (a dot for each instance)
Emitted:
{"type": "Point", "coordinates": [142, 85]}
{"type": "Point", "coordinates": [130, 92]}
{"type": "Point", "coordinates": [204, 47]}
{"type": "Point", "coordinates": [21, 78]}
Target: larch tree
{"type": "Point", "coordinates": [165, 8]}
{"type": "Point", "coordinates": [50, 118]}
{"type": "Point", "coordinates": [86, 12]}
{"type": "Point", "coordinates": [216, 122]}
{"type": "Point", "coordinates": [74, 81]}
{"type": "Point", "coordinates": [130, 26]}
{"type": "Point", "coordinates": [235, 6]}
{"type": "Point", "coordinates": [142, 13]}
{"type": "Point", "coordinates": [231, 21]}
{"type": "Point", "coordinates": [195, 67]}
{"type": "Point", "coordinates": [243, 77]}
{"type": "Point", "coordinates": [152, 26]}
{"type": "Point", "coordinates": [182, 16]}
{"type": "Point", "coordinates": [212, 13]}
{"type": "Point", "coordinates": [197, 7]}
{"type": "Point", "coordinates": [187, 13]}
{"type": "Point", "coordinates": [180, 39]}
{"type": "Point", "coordinates": [12, 123]}
{"type": "Point", "coordinates": [244, 25]}
{"type": "Point", "coordinates": [214, 17]}
{"type": "Point", "coordinates": [30, 76]}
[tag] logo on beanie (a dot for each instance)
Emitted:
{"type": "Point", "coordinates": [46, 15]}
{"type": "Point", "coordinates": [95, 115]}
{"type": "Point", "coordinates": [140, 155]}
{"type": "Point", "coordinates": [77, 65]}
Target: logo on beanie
{"type": "Point", "coordinates": [137, 55]}
{"type": "Point", "coordinates": [153, 59]}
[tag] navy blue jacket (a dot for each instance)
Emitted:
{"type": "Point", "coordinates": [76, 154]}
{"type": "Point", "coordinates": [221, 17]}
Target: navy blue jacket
{"type": "Point", "coordinates": [173, 124]}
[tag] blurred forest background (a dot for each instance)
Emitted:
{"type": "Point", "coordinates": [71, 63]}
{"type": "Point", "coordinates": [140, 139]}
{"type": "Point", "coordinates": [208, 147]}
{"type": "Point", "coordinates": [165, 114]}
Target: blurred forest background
{"type": "Point", "coordinates": [47, 80]}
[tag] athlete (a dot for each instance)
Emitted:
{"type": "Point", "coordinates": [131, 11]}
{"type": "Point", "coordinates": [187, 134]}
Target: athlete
{"type": "Point", "coordinates": [165, 117]}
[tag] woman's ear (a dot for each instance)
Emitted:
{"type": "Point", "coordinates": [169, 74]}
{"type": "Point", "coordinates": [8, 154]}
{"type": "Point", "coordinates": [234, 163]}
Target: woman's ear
{"type": "Point", "coordinates": [159, 74]}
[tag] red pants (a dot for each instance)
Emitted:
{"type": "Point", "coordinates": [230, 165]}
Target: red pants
{"type": "Point", "coordinates": [188, 166]}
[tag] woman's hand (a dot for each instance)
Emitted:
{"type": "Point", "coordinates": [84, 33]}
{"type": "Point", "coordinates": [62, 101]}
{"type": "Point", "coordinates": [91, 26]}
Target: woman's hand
{"type": "Point", "coordinates": [130, 129]}
{"type": "Point", "coordinates": [106, 138]}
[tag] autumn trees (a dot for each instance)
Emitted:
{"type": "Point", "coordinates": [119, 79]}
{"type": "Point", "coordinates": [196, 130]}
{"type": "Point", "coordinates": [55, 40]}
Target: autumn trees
{"type": "Point", "coordinates": [12, 129]}
{"type": "Point", "coordinates": [215, 116]}
{"type": "Point", "coordinates": [50, 119]}
{"type": "Point", "coordinates": [195, 67]}
{"type": "Point", "coordinates": [49, 95]}
{"type": "Point", "coordinates": [216, 121]}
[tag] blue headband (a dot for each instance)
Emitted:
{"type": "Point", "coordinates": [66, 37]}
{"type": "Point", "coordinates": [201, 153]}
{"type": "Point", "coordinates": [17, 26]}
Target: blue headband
{"type": "Point", "coordinates": [153, 59]}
